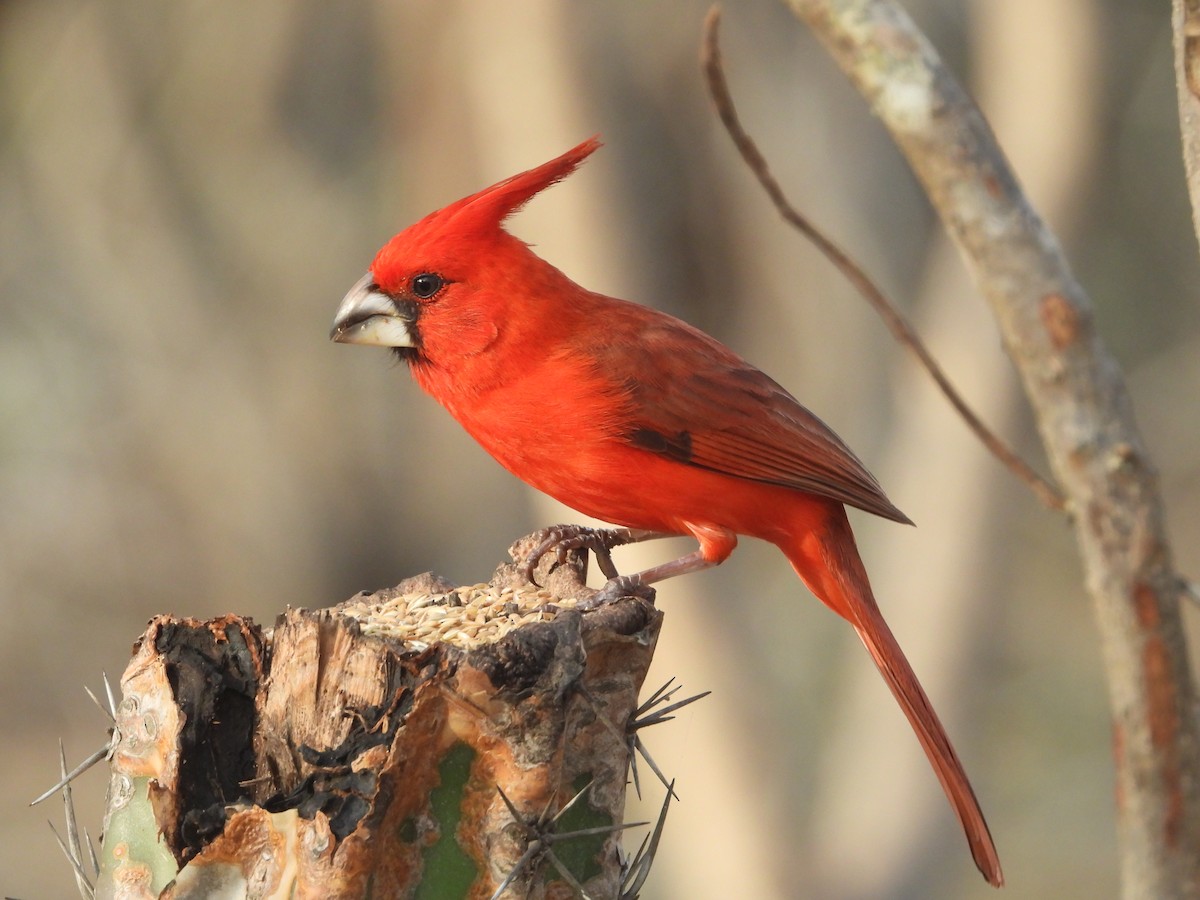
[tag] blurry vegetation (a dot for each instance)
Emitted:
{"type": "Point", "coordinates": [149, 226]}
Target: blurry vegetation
{"type": "Point", "coordinates": [187, 189]}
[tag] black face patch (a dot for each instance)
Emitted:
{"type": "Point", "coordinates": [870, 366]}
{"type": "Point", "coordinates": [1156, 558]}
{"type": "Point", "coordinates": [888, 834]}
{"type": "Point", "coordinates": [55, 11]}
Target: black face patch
{"type": "Point", "coordinates": [410, 312]}
{"type": "Point", "coordinates": [677, 446]}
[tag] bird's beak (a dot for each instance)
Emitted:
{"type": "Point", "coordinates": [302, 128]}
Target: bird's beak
{"type": "Point", "coordinates": [369, 316]}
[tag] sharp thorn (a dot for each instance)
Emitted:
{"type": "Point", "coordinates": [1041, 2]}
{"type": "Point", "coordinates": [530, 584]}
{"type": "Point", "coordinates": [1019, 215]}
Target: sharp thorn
{"type": "Point", "coordinates": [69, 807]}
{"type": "Point", "coordinates": [74, 773]}
{"type": "Point", "coordinates": [663, 714]}
{"type": "Point", "coordinates": [516, 871]}
{"type": "Point", "coordinates": [91, 847]}
{"type": "Point", "coordinates": [589, 832]}
{"type": "Point", "coordinates": [517, 817]}
{"type": "Point", "coordinates": [654, 698]}
{"type": "Point", "coordinates": [640, 867]}
{"type": "Point", "coordinates": [99, 705]}
{"type": "Point", "coordinates": [566, 874]}
{"type": "Point", "coordinates": [570, 803]}
{"type": "Point", "coordinates": [81, 880]}
{"type": "Point", "coordinates": [641, 748]}
{"type": "Point", "coordinates": [108, 692]}
{"type": "Point", "coordinates": [679, 704]}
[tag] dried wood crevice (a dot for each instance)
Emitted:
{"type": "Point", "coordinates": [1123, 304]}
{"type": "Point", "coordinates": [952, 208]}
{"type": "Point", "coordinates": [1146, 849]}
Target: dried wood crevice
{"type": "Point", "coordinates": [413, 737]}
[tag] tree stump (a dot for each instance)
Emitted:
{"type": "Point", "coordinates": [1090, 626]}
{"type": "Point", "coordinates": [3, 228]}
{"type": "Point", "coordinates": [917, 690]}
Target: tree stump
{"type": "Point", "coordinates": [422, 741]}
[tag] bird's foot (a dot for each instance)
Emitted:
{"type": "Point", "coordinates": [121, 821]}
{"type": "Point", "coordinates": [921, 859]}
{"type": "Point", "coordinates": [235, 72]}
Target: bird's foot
{"type": "Point", "coordinates": [615, 589]}
{"type": "Point", "coordinates": [562, 539]}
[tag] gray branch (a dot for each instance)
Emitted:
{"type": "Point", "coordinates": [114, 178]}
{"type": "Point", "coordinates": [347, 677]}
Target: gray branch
{"type": "Point", "coordinates": [1084, 416]}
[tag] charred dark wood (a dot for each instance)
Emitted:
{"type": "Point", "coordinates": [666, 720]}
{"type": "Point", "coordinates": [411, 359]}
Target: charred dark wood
{"type": "Point", "coordinates": [425, 734]}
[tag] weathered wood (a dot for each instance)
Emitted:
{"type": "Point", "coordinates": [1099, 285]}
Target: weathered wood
{"type": "Point", "coordinates": [374, 748]}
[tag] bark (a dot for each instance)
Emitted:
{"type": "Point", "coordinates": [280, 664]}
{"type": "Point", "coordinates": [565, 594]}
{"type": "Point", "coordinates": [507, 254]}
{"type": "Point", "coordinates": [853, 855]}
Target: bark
{"type": "Point", "coordinates": [1185, 22]}
{"type": "Point", "coordinates": [945, 612]}
{"type": "Point", "coordinates": [381, 748]}
{"type": "Point", "coordinates": [1084, 417]}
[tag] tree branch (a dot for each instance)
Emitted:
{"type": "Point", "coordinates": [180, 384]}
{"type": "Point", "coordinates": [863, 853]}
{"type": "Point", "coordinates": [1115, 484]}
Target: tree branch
{"type": "Point", "coordinates": [901, 329]}
{"type": "Point", "coordinates": [1083, 414]}
{"type": "Point", "coordinates": [1185, 26]}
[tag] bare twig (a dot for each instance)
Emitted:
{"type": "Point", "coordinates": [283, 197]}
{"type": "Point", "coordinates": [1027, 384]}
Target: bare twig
{"type": "Point", "coordinates": [1083, 413]}
{"type": "Point", "coordinates": [900, 327]}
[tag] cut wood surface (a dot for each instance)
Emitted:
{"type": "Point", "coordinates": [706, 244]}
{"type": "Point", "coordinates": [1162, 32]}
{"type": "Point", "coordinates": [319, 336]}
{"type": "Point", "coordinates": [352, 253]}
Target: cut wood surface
{"type": "Point", "coordinates": [380, 747]}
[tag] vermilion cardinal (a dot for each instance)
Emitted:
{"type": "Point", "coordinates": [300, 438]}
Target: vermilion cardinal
{"type": "Point", "coordinates": [634, 417]}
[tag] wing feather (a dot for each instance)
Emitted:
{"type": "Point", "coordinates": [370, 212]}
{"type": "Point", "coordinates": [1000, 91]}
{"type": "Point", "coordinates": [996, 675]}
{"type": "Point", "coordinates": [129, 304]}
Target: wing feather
{"type": "Point", "coordinates": [709, 408]}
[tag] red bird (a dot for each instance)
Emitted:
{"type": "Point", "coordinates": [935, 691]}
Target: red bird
{"type": "Point", "coordinates": [657, 426]}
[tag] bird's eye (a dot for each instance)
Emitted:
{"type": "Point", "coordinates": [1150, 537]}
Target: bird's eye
{"type": "Point", "coordinates": [425, 286]}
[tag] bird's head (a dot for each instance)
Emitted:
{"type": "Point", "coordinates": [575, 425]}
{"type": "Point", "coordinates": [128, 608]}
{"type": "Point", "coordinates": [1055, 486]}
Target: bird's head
{"type": "Point", "coordinates": [439, 287]}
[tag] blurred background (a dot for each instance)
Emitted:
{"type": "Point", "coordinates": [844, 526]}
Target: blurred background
{"type": "Point", "coordinates": [186, 191]}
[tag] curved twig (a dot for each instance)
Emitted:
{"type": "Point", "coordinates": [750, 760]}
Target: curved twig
{"type": "Point", "coordinates": [900, 328]}
{"type": "Point", "coordinates": [1084, 416]}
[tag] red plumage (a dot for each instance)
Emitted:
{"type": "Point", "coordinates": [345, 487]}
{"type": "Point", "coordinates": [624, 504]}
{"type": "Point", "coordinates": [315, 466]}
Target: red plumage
{"type": "Point", "coordinates": [656, 426]}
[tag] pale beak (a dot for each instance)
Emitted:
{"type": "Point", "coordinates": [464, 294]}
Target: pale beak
{"type": "Point", "coordinates": [369, 316]}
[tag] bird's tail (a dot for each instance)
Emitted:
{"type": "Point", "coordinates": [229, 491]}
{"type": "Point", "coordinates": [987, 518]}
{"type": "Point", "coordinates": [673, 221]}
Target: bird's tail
{"type": "Point", "coordinates": [826, 558]}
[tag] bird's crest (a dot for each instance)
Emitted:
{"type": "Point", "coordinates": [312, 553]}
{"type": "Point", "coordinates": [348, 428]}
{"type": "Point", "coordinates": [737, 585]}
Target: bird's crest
{"type": "Point", "coordinates": [491, 206]}
{"type": "Point", "coordinates": [444, 235]}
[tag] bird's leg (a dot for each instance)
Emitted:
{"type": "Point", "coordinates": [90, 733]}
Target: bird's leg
{"type": "Point", "coordinates": [716, 543]}
{"type": "Point", "coordinates": [564, 538]}
{"type": "Point", "coordinates": [638, 583]}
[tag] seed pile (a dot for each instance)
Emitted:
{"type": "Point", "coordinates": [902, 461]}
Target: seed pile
{"type": "Point", "coordinates": [465, 616]}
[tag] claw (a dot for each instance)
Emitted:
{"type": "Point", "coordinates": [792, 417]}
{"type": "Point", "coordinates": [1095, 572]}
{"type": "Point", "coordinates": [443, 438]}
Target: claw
{"type": "Point", "coordinates": [605, 562]}
{"type": "Point", "coordinates": [562, 539]}
{"type": "Point", "coordinates": [616, 588]}
{"type": "Point", "coordinates": [551, 539]}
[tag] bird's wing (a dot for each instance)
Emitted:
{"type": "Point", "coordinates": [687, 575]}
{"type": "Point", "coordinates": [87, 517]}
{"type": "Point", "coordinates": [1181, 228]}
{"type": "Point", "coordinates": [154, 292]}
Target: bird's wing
{"type": "Point", "coordinates": [696, 402]}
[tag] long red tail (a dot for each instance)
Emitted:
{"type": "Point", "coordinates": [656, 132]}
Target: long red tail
{"type": "Point", "coordinates": [828, 562]}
